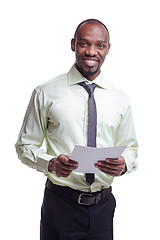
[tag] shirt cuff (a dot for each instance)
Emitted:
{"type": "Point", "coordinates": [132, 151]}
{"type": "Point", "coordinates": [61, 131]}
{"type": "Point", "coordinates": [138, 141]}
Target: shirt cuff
{"type": "Point", "coordinates": [42, 162]}
{"type": "Point", "coordinates": [130, 160]}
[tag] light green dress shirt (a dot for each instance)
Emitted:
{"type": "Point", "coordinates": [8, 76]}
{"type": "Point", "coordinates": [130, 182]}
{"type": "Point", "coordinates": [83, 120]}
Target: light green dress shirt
{"type": "Point", "coordinates": [58, 114]}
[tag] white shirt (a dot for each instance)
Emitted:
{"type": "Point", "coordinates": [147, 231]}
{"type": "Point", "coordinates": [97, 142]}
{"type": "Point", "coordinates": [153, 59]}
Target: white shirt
{"type": "Point", "coordinates": [58, 113]}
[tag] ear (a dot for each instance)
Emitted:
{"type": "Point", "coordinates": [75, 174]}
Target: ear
{"type": "Point", "coordinates": [73, 45]}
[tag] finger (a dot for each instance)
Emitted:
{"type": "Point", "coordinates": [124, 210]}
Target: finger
{"type": "Point", "coordinates": [68, 167]}
{"type": "Point", "coordinates": [63, 174]}
{"type": "Point", "coordinates": [65, 160]}
{"type": "Point", "coordinates": [64, 166]}
{"type": "Point", "coordinates": [109, 171]}
{"type": "Point", "coordinates": [61, 170]}
{"type": "Point", "coordinates": [116, 161]}
{"type": "Point", "coordinates": [72, 163]}
{"type": "Point", "coordinates": [113, 161]}
{"type": "Point", "coordinates": [109, 165]}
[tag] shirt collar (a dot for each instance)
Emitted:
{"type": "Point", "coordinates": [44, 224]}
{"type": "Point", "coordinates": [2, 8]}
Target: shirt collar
{"type": "Point", "coordinates": [75, 77]}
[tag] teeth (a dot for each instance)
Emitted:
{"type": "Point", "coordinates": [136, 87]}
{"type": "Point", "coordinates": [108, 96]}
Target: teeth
{"type": "Point", "coordinates": [90, 61]}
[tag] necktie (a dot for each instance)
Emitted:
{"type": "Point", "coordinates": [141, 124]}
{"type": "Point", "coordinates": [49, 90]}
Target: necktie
{"type": "Point", "coordinates": [92, 122]}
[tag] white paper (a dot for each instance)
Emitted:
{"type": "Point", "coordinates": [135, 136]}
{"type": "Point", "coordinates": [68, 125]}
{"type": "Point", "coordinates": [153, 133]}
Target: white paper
{"type": "Point", "coordinates": [88, 156]}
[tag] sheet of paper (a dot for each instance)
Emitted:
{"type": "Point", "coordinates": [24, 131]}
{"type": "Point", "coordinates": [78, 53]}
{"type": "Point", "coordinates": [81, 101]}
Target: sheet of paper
{"type": "Point", "coordinates": [88, 156]}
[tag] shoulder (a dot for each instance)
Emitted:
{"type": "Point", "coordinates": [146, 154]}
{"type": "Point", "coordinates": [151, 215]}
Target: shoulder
{"type": "Point", "coordinates": [51, 85]}
{"type": "Point", "coordinates": [119, 96]}
{"type": "Point", "coordinates": [116, 92]}
{"type": "Point", "coordinates": [119, 93]}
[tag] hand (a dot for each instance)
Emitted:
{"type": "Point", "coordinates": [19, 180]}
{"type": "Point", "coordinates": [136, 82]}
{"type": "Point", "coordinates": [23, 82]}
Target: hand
{"type": "Point", "coordinates": [62, 165]}
{"type": "Point", "coordinates": [113, 167]}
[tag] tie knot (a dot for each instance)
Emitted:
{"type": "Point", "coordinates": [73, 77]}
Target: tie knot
{"type": "Point", "coordinates": [89, 87]}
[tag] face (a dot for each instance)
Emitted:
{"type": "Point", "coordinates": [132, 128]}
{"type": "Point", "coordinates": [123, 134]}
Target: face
{"type": "Point", "coordinates": [91, 47]}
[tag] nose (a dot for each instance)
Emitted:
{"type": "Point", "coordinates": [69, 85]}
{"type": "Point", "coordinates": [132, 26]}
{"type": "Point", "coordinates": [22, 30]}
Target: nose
{"type": "Point", "coordinates": [91, 51]}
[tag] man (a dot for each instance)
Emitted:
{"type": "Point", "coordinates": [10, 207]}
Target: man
{"type": "Point", "coordinates": [77, 205]}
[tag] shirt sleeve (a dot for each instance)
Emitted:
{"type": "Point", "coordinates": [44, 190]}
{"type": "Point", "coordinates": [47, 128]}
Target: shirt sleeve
{"type": "Point", "coordinates": [126, 136]}
{"type": "Point", "coordinates": [32, 134]}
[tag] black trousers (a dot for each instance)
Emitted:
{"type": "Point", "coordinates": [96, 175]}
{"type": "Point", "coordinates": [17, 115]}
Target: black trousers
{"type": "Point", "coordinates": [63, 219]}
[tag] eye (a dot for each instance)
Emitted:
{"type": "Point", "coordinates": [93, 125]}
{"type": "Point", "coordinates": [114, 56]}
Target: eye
{"type": "Point", "coordinates": [83, 44]}
{"type": "Point", "coordinates": [100, 46]}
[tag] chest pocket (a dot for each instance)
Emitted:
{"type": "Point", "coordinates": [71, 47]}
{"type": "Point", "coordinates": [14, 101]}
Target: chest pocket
{"type": "Point", "coordinates": [109, 115]}
{"type": "Point", "coordinates": [65, 117]}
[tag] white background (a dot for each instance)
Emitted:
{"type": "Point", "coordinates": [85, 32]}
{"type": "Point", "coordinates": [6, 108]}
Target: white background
{"type": "Point", "coordinates": [35, 47]}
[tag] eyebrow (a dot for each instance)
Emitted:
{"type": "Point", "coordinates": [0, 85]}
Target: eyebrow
{"type": "Point", "coordinates": [84, 39]}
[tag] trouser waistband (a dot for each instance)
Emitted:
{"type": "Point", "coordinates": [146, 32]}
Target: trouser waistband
{"type": "Point", "coordinates": [82, 198]}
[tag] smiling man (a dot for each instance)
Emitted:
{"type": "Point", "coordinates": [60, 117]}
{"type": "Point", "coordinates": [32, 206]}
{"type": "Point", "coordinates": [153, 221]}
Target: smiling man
{"type": "Point", "coordinates": [80, 107]}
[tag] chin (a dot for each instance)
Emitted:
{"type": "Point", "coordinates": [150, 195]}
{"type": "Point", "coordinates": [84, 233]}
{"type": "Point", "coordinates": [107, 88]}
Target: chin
{"type": "Point", "coordinates": [90, 72]}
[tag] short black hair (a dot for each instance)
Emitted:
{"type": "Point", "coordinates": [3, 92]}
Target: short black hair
{"type": "Point", "coordinates": [91, 21]}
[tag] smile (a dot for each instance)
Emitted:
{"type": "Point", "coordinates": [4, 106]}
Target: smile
{"type": "Point", "coordinates": [90, 62]}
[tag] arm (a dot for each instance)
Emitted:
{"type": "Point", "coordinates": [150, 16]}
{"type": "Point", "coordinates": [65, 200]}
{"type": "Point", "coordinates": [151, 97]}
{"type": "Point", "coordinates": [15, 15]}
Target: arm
{"type": "Point", "coordinates": [31, 138]}
{"type": "Point", "coordinates": [32, 134]}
